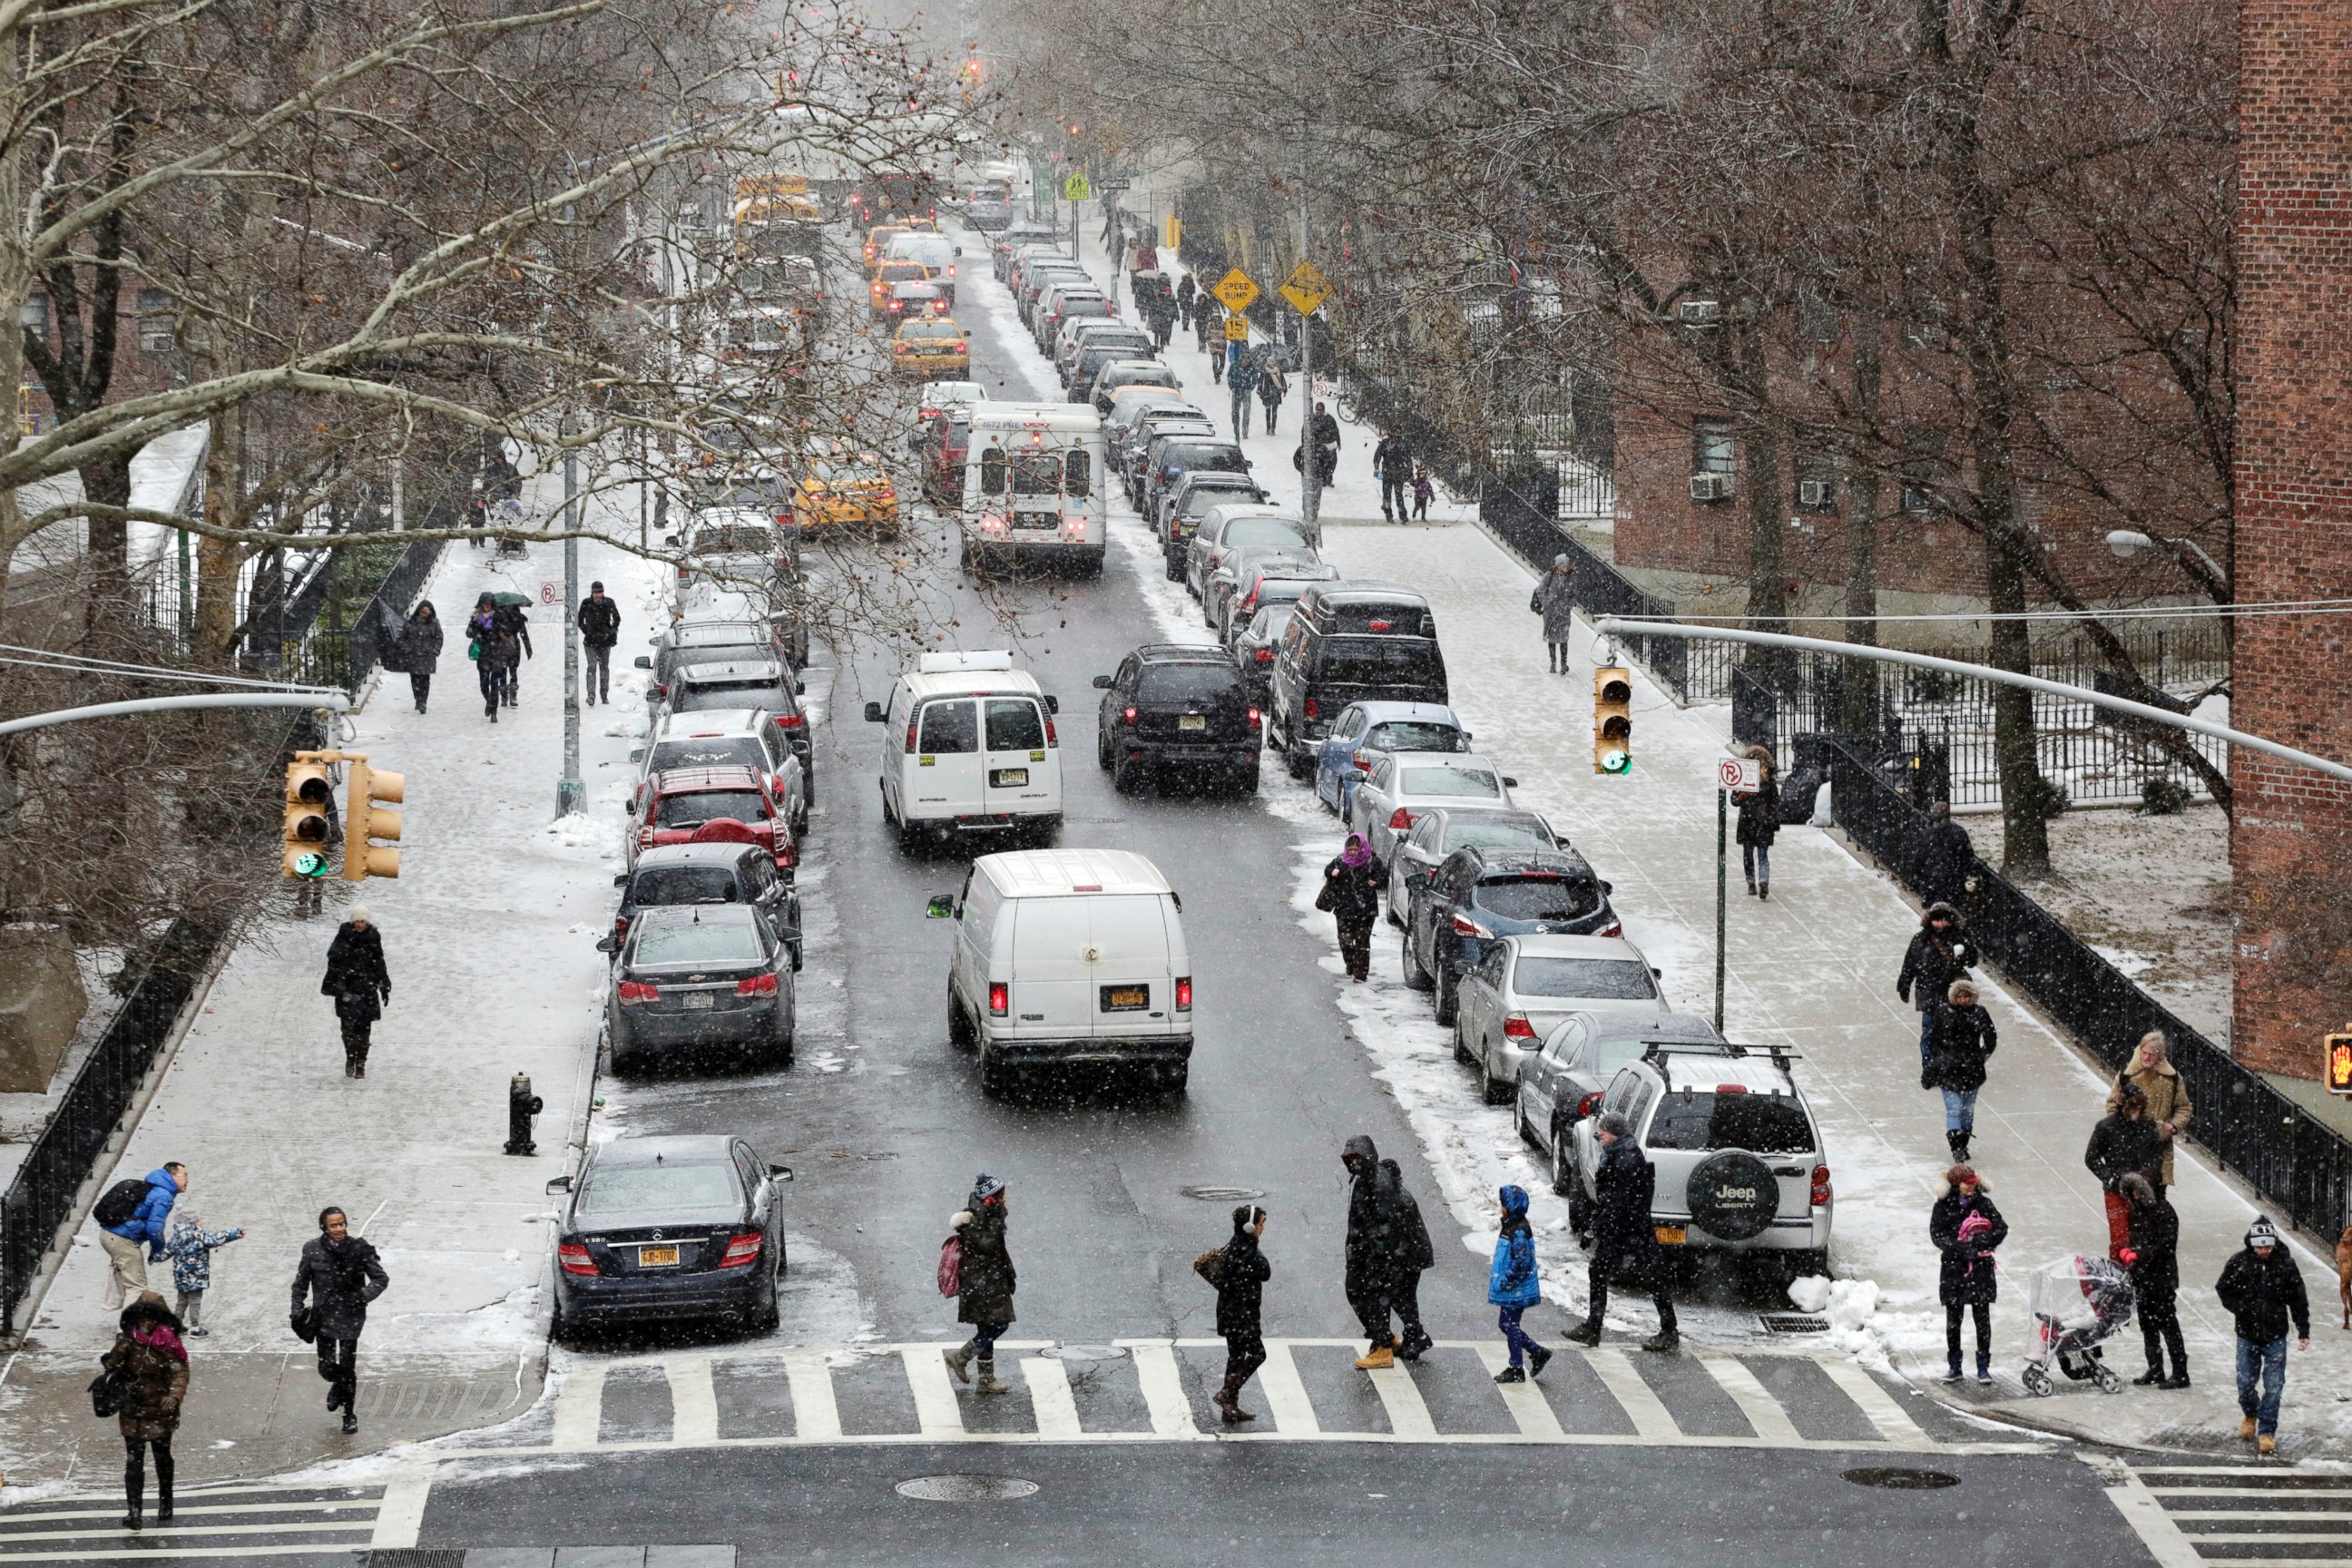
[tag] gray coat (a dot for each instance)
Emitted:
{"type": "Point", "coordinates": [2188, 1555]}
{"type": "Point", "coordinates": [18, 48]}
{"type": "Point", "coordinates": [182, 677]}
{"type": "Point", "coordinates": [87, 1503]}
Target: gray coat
{"type": "Point", "coordinates": [1553, 601]}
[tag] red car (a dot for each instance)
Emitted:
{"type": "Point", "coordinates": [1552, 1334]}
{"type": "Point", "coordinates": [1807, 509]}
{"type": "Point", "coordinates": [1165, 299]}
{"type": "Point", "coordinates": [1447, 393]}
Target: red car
{"type": "Point", "coordinates": [713, 806]}
{"type": "Point", "coordinates": [944, 441]}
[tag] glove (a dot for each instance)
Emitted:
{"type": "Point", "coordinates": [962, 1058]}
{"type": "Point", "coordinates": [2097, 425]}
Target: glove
{"type": "Point", "coordinates": [2127, 1257]}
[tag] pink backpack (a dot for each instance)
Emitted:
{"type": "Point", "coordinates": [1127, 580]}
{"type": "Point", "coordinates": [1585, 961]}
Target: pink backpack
{"type": "Point", "coordinates": [952, 1266]}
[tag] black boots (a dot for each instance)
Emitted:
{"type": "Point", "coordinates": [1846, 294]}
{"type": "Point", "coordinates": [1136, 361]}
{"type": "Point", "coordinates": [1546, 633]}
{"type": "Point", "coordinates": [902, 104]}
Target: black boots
{"type": "Point", "coordinates": [1228, 1401]}
{"type": "Point", "coordinates": [1959, 1143]}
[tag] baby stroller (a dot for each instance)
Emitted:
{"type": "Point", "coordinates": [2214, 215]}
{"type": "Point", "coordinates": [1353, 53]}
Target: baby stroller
{"type": "Point", "coordinates": [2077, 1304]}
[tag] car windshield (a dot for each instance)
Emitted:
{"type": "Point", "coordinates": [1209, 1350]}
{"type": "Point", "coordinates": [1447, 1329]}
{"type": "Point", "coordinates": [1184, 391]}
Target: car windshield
{"type": "Point", "coordinates": [1604, 979]}
{"type": "Point", "coordinates": [1760, 1123]}
{"type": "Point", "coordinates": [706, 751]}
{"type": "Point", "coordinates": [1199, 458]}
{"type": "Point", "coordinates": [1490, 830]}
{"type": "Point", "coordinates": [1414, 735]}
{"type": "Point", "coordinates": [1547, 897]}
{"type": "Point", "coordinates": [685, 885]}
{"type": "Point", "coordinates": [1281, 590]}
{"type": "Point", "coordinates": [1263, 531]}
{"type": "Point", "coordinates": [1184, 682]}
{"type": "Point", "coordinates": [1378, 661]}
{"type": "Point", "coordinates": [851, 473]}
{"type": "Point", "coordinates": [1473, 784]}
{"type": "Point", "coordinates": [656, 1189]}
{"type": "Point", "coordinates": [717, 942]}
{"type": "Point", "coordinates": [943, 331]}
{"type": "Point", "coordinates": [1271, 623]}
{"type": "Point", "coordinates": [734, 539]}
{"type": "Point", "coordinates": [708, 806]}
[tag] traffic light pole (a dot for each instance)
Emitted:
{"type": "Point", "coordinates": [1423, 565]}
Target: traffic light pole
{"type": "Point", "coordinates": [570, 794]}
{"type": "Point", "coordinates": [331, 701]}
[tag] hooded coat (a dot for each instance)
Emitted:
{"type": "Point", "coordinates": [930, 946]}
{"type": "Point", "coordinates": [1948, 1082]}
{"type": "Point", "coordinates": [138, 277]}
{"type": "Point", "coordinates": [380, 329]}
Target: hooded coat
{"type": "Point", "coordinates": [1355, 889]}
{"type": "Point", "coordinates": [149, 1222]}
{"type": "Point", "coordinates": [420, 639]}
{"type": "Point", "coordinates": [503, 636]}
{"type": "Point", "coordinates": [1373, 1218]}
{"type": "Point", "coordinates": [984, 1291]}
{"type": "Point", "coordinates": [1241, 1285]}
{"type": "Point", "coordinates": [2120, 1146]}
{"type": "Point", "coordinates": [2155, 1247]}
{"type": "Point", "coordinates": [1624, 1192]}
{"type": "Point", "coordinates": [154, 1366]}
{"type": "Point", "coordinates": [2167, 1101]}
{"type": "Point", "coordinates": [1760, 813]}
{"type": "Point", "coordinates": [1967, 1276]}
{"type": "Point", "coordinates": [1934, 961]}
{"type": "Point", "coordinates": [356, 977]}
{"type": "Point", "coordinates": [337, 1279]}
{"type": "Point", "coordinates": [1511, 1279]}
{"type": "Point", "coordinates": [1965, 1040]}
{"type": "Point", "coordinates": [1555, 601]}
{"type": "Point", "coordinates": [1414, 1249]}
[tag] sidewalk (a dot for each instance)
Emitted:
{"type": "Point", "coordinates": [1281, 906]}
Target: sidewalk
{"type": "Point", "coordinates": [488, 934]}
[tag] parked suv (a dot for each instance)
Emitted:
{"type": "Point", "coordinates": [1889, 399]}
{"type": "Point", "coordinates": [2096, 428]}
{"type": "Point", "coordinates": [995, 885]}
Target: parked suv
{"type": "Point", "coordinates": [1738, 1156]}
{"type": "Point", "coordinates": [1480, 895]}
{"type": "Point", "coordinates": [1350, 642]}
{"type": "Point", "coordinates": [1562, 1082]}
{"type": "Point", "coordinates": [1177, 706]}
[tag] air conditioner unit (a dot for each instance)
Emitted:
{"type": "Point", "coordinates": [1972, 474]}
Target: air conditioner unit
{"type": "Point", "coordinates": [1700, 313]}
{"type": "Point", "coordinates": [1711, 487]}
{"type": "Point", "coordinates": [1821, 493]}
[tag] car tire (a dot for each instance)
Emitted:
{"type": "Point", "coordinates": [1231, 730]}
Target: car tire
{"type": "Point", "coordinates": [795, 949]}
{"type": "Point", "coordinates": [1298, 758]}
{"type": "Point", "coordinates": [1448, 1000]}
{"type": "Point", "coordinates": [1123, 775]}
{"type": "Point", "coordinates": [960, 1033]}
{"type": "Point", "coordinates": [1493, 1090]}
{"type": "Point", "coordinates": [558, 1327]}
{"type": "Point", "coordinates": [1174, 571]}
{"type": "Point", "coordinates": [1563, 1173]}
{"type": "Point", "coordinates": [771, 1313]}
{"type": "Point", "coordinates": [995, 1078]}
{"type": "Point", "coordinates": [1247, 783]}
{"type": "Point", "coordinates": [1461, 1049]}
{"type": "Point", "coordinates": [1416, 978]}
{"type": "Point", "coordinates": [1519, 1121]}
{"type": "Point", "coordinates": [1102, 750]}
{"type": "Point", "coordinates": [1173, 1080]}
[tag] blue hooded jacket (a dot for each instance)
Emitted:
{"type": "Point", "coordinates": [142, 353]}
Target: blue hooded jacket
{"type": "Point", "coordinates": [1512, 1281]}
{"type": "Point", "coordinates": [150, 1221]}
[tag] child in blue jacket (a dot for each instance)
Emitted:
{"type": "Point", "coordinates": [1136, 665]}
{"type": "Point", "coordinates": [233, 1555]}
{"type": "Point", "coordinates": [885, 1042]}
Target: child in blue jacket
{"type": "Point", "coordinates": [191, 1251]}
{"type": "Point", "coordinates": [1511, 1285]}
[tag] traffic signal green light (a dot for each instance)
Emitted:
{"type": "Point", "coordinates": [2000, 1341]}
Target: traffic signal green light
{"type": "Point", "coordinates": [308, 791]}
{"type": "Point", "coordinates": [1612, 720]}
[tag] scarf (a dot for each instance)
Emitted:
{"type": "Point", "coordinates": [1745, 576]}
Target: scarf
{"type": "Point", "coordinates": [1357, 854]}
{"type": "Point", "coordinates": [162, 1337]}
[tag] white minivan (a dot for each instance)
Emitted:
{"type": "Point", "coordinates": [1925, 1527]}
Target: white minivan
{"type": "Point", "coordinates": [1065, 957]}
{"type": "Point", "coordinates": [968, 746]}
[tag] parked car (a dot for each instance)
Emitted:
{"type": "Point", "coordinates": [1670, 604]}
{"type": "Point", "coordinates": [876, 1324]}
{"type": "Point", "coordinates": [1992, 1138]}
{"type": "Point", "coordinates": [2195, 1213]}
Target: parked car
{"type": "Point", "coordinates": [677, 875]}
{"type": "Point", "coordinates": [1365, 730]}
{"type": "Point", "coordinates": [1480, 896]}
{"type": "Point", "coordinates": [1232, 527]}
{"type": "Point", "coordinates": [1524, 985]}
{"type": "Point", "coordinates": [1172, 706]}
{"type": "Point", "coordinates": [755, 737]}
{"type": "Point", "coordinates": [1254, 650]}
{"type": "Point", "coordinates": [1560, 1083]}
{"type": "Point", "coordinates": [1739, 1160]}
{"type": "Point", "coordinates": [712, 805]}
{"type": "Point", "coordinates": [1065, 301]}
{"type": "Point", "coordinates": [1439, 830]}
{"type": "Point", "coordinates": [732, 685]}
{"type": "Point", "coordinates": [670, 1228]}
{"type": "Point", "coordinates": [698, 975]}
{"type": "Point", "coordinates": [1250, 561]}
{"type": "Point", "coordinates": [706, 642]}
{"type": "Point", "coordinates": [1135, 372]}
{"type": "Point", "coordinates": [1082, 335]}
{"type": "Point", "coordinates": [1350, 642]}
{"type": "Point", "coordinates": [1134, 465]}
{"type": "Point", "coordinates": [1127, 408]}
{"type": "Point", "coordinates": [1173, 457]}
{"type": "Point", "coordinates": [1381, 804]}
{"type": "Point", "coordinates": [1096, 352]}
{"type": "Point", "coordinates": [1015, 238]}
{"type": "Point", "coordinates": [1282, 583]}
{"type": "Point", "coordinates": [1191, 496]}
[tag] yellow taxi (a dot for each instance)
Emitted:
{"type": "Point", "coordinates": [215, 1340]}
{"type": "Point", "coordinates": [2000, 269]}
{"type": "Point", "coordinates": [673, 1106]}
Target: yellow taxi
{"type": "Point", "coordinates": [887, 276]}
{"type": "Point", "coordinates": [930, 348]}
{"type": "Point", "coordinates": [842, 490]}
{"type": "Point", "coordinates": [877, 241]}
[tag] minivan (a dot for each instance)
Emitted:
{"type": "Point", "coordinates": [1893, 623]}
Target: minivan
{"type": "Point", "coordinates": [1350, 642]}
{"type": "Point", "coordinates": [968, 746]}
{"type": "Point", "coordinates": [1069, 957]}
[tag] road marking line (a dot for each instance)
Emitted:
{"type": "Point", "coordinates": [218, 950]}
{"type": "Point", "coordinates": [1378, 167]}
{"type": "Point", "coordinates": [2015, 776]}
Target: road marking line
{"type": "Point", "coordinates": [2245, 1491]}
{"type": "Point", "coordinates": [1163, 1387]}
{"type": "Point", "coordinates": [1286, 1392]}
{"type": "Point", "coordinates": [317, 1548]}
{"type": "Point", "coordinates": [2267, 1515]}
{"type": "Point", "coordinates": [580, 1406]}
{"type": "Point", "coordinates": [1633, 1395]}
{"type": "Point", "coordinates": [816, 1417]}
{"type": "Point", "coordinates": [1050, 1397]}
{"type": "Point", "coordinates": [693, 1401]}
{"type": "Point", "coordinates": [936, 1411]}
{"type": "Point", "coordinates": [1883, 1410]}
{"type": "Point", "coordinates": [116, 1510]}
{"type": "Point", "coordinates": [2166, 1542]}
{"type": "Point", "coordinates": [403, 1515]}
{"type": "Point", "coordinates": [2241, 1537]}
{"type": "Point", "coordinates": [1763, 1412]}
{"type": "Point", "coordinates": [1525, 1401]}
{"type": "Point", "coordinates": [293, 1527]}
{"type": "Point", "coordinates": [1408, 1416]}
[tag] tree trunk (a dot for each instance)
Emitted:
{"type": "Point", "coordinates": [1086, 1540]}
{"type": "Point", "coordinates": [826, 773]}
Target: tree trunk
{"type": "Point", "coordinates": [112, 615]}
{"type": "Point", "coordinates": [218, 562]}
{"type": "Point", "coordinates": [1858, 691]}
{"type": "Point", "coordinates": [1760, 445]}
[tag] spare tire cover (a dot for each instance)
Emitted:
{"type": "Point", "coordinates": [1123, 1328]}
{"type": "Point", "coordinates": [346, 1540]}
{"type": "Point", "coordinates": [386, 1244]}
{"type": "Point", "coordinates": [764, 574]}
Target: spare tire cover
{"type": "Point", "coordinates": [723, 830]}
{"type": "Point", "coordinates": [1734, 1195]}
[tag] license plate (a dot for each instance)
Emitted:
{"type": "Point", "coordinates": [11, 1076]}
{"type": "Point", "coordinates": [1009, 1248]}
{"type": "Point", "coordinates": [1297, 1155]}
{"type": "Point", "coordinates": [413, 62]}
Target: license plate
{"type": "Point", "coordinates": [1670, 1235]}
{"type": "Point", "coordinates": [1008, 778]}
{"type": "Point", "coordinates": [657, 1257]}
{"type": "Point", "coordinates": [1036, 519]}
{"type": "Point", "coordinates": [696, 1001]}
{"type": "Point", "coordinates": [1125, 998]}
{"type": "Point", "coordinates": [1193, 721]}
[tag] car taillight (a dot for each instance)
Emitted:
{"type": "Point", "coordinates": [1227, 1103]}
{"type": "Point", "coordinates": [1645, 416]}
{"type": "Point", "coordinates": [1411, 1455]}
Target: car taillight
{"type": "Point", "coordinates": [1263, 656]}
{"type": "Point", "coordinates": [1126, 715]}
{"type": "Point", "coordinates": [638, 991]}
{"type": "Point", "coordinates": [1589, 1104]}
{"type": "Point", "coordinates": [660, 689]}
{"type": "Point", "coordinates": [1053, 739]}
{"type": "Point", "coordinates": [1314, 708]}
{"type": "Point", "coordinates": [911, 734]}
{"type": "Point", "coordinates": [1516, 1027]}
{"type": "Point", "coordinates": [902, 347]}
{"type": "Point", "coordinates": [1400, 820]}
{"type": "Point", "coordinates": [1000, 998]}
{"type": "Point", "coordinates": [886, 495]}
{"type": "Point", "coordinates": [1614, 928]}
{"type": "Point", "coordinates": [787, 856]}
{"type": "Point", "coordinates": [646, 837]}
{"type": "Point", "coordinates": [742, 1249]}
{"type": "Point", "coordinates": [1183, 990]}
{"type": "Point", "coordinates": [574, 1258]}
{"type": "Point", "coordinates": [756, 985]}
{"type": "Point", "coordinates": [1821, 1184]}
{"type": "Point", "coordinates": [1362, 760]}
{"type": "Point", "coordinates": [790, 721]}
{"type": "Point", "coordinates": [1464, 926]}
{"type": "Point", "coordinates": [1256, 718]}
{"type": "Point", "coordinates": [620, 929]}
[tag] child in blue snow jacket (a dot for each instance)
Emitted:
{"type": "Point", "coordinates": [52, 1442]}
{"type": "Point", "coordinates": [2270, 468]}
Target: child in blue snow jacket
{"type": "Point", "coordinates": [1511, 1285]}
{"type": "Point", "coordinates": [189, 1249]}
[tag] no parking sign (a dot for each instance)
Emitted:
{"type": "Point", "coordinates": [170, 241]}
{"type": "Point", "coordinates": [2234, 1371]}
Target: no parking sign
{"type": "Point", "coordinates": [1740, 775]}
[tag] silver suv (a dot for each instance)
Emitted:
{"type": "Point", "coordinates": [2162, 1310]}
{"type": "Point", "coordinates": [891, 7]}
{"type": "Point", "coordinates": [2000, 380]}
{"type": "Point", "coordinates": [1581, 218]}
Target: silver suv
{"type": "Point", "coordinates": [1738, 1157]}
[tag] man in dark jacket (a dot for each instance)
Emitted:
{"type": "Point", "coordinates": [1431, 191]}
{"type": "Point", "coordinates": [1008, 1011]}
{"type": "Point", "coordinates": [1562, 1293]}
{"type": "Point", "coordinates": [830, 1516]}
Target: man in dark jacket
{"type": "Point", "coordinates": [339, 1275]}
{"type": "Point", "coordinates": [1323, 435]}
{"type": "Point", "coordinates": [1373, 1248]}
{"type": "Point", "coordinates": [2154, 1260]}
{"type": "Point", "coordinates": [1241, 1274]}
{"type": "Point", "coordinates": [1939, 954]}
{"type": "Point", "coordinates": [2124, 1143]}
{"type": "Point", "coordinates": [1624, 1234]}
{"type": "Point", "coordinates": [600, 629]}
{"type": "Point", "coordinates": [1241, 380]}
{"type": "Point", "coordinates": [1393, 465]}
{"type": "Point", "coordinates": [1414, 1254]}
{"type": "Point", "coordinates": [1947, 859]}
{"type": "Point", "coordinates": [420, 649]}
{"type": "Point", "coordinates": [360, 984]}
{"type": "Point", "coordinates": [1184, 288]}
{"type": "Point", "coordinates": [2262, 1288]}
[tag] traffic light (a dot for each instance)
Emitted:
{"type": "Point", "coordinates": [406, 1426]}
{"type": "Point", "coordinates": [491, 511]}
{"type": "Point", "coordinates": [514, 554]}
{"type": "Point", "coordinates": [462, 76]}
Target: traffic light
{"type": "Point", "coordinates": [308, 791]}
{"type": "Point", "coordinates": [364, 820]}
{"type": "Point", "coordinates": [1612, 720]}
{"type": "Point", "coordinates": [2340, 1064]}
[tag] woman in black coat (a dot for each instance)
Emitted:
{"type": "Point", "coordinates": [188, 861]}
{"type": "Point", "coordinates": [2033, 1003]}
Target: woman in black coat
{"type": "Point", "coordinates": [339, 1275]}
{"type": "Point", "coordinates": [1967, 1228]}
{"type": "Point", "coordinates": [2152, 1256]}
{"type": "Point", "coordinates": [985, 1282]}
{"type": "Point", "coordinates": [1939, 954]}
{"type": "Point", "coordinates": [420, 650]}
{"type": "Point", "coordinates": [1964, 1040]}
{"type": "Point", "coordinates": [358, 981]}
{"type": "Point", "coordinates": [1759, 824]}
{"type": "Point", "coordinates": [1241, 1273]}
{"type": "Point", "coordinates": [1351, 891]}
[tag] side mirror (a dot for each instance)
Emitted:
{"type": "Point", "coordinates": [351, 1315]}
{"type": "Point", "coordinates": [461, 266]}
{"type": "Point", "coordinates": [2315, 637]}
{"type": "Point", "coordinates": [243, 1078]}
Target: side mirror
{"type": "Point", "coordinates": [605, 943]}
{"type": "Point", "coordinates": [1656, 974]}
{"type": "Point", "coordinates": [800, 684]}
{"type": "Point", "coordinates": [940, 908]}
{"type": "Point", "coordinates": [669, 542]}
{"type": "Point", "coordinates": [1053, 705]}
{"type": "Point", "coordinates": [621, 879]}
{"type": "Point", "coordinates": [874, 712]}
{"type": "Point", "coordinates": [644, 661]}
{"type": "Point", "coordinates": [1607, 889]}
{"type": "Point", "coordinates": [780, 1173]}
{"type": "Point", "coordinates": [1102, 683]}
{"type": "Point", "coordinates": [637, 755]}
{"type": "Point", "coordinates": [559, 1184]}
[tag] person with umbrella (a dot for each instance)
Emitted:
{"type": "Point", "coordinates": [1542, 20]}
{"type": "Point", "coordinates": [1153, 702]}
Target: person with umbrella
{"type": "Point", "coordinates": [501, 641]}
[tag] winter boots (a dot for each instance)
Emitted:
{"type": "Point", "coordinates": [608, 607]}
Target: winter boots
{"type": "Point", "coordinates": [2266, 1445]}
{"type": "Point", "coordinates": [1584, 1334]}
{"type": "Point", "coordinates": [1957, 1140]}
{"type": "Point", "coordinates": [988, 1384]}
{"type": "Point", "coordinates": [1664, 1340]}
{"type": "Point", "coordinates": [1228, 1401]}
{"type": "Point", "coordinates": [959, 1361]}
{"type": "Point", "coordinates": [2246, 1430]}
{"type": "Point", "coordinates": [1379, 1358]}
{"type": "Point", "coordinates": [1538, 1359]}
{"type": "Point", "coordinates": [1953, 1373]}
{"type": "Point", "coordinates": [1417, 1342]}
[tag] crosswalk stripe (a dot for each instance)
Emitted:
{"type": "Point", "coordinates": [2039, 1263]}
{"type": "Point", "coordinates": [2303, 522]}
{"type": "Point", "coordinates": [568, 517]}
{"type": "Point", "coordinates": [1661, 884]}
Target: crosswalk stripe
{"type": "Point", "coordinates": [816, 1417]}
{"type": "Point", "coordinates": [936, 1411]}
{"type": "Point", "coordinates": [114, 1510]}
{"type": "Point", "coordinates": [1286, 1394]}
{"type": "Point", "coordinates": [295, 1527]}
{"type": "Point", "coordinates": [1894, 1422]}
{"type": "Point", "coordinates": [401, 1518]}
{"type": "Point", "coordinates": [580, 1406]}
{"type": "Point", "coordinates": [1530, 1410]}
{"type": "Point", "coordinates": [1624, 1385]}
{"type": "Point", "coordinates": [1050, 1396]}
{"type": "Point", "coordinates": [693, 1402]}
{"type": "Point", "coordinates": [1763, 1412]}
{"type": "Point", "coordinates": [1408, 1416]}
{"type": "Point", "coordinates": [157, 1553]}
{"type": "Point", "coordinates": [1163, 1387]}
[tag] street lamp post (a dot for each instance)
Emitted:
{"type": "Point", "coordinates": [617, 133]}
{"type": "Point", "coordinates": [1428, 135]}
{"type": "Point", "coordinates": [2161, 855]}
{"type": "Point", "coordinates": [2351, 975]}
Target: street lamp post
{"type": "Point", "coordinates": [570, 794]}
{"type": "Point", "coordinates": [2126, 542]}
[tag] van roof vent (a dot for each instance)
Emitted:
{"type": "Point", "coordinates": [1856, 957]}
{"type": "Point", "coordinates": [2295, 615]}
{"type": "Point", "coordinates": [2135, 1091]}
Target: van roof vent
{"type": "Point", "coordinates": [950, 663]}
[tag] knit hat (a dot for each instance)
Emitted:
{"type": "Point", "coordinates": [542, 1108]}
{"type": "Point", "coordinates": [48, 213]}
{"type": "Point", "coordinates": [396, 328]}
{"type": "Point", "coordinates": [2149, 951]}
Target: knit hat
{"type": "Point", "coordinates": [596, 587]}
{"type": "Point", "coordinates": [985, 1187]}
{"type": "Point", "coordinates": [2262, 1233]}
{"type": "Point", "coordinates": [360, 912]}
{"type": "Point", "coordinates": [1616, 1126]}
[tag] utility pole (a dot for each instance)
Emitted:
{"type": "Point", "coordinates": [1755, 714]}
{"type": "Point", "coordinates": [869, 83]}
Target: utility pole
{"type": "Point", "coordinates": [1310, 450]}
{"type": "Point", "coordinates": [570, 794]}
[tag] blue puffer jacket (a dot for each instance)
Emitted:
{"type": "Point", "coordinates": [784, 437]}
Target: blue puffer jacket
{"type": "Point", "coordinates": [1511, 1281]}
{"type": "Point", "coordinates": [151, 1220]}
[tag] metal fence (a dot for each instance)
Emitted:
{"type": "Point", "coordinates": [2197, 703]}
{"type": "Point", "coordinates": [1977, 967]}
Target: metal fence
{"type": "Point", "coordinates": [2300, 1167]}
{"type": "Point", "coordinates": [341, 644]}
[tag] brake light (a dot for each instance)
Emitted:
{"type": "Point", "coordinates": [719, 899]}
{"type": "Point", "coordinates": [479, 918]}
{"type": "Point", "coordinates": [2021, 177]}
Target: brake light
{"type": "Point", "coordinates": [1000, 998]}
{"type": "Point", "coordinates": [911, 732]}
{"type": "Point", "coordinates": [1314, 708]}
{"type": "Point", "coordinates": [1821, 1184]}
{"type": "Point", "coordinates": [1256, 718]}
{"type": "Point", "coordinates": [1053, 740]}
{"type": "Point", "coordinates": [1464, 926]}
{"type": "Point", "coordinates": [1263, 656]}
{"type": "Point", "coordinates": [1614, 928]}
{"type": "Point", "coordinates": [638, 991]}
{"type": "Point", "coordinates": [574, 1258]}
{"type": "Point", "coordinates": [1126, 715]}
{"type": "Point", "coordinates": [1589, 1104]}
{"type": "Point", "coordinates": [1361, 760]}
{"type": "Point", "coordinates": [1731, 1089]}
{"type": "Point", "coordinates": [1183, 990]}
{"type": "Point", "coordinates": [1516, 1027]}
{"type": "Point", "coordinates": [1400, 820]}
{"type": "Point", "coordinates": [742, 1249]}
{"type": "Point", "coordinates": [902, 347]}
{"type": "Point", "coordinates": [646, 837]}
{"type": "Point", "coordinates": [787, 856]}
{"type": "Point", "coordinates": [756, 985]}
{"type": "Point", "coordinates": [620, 929]}
{"type": "Point", "coordinates": [886, 495]}
{"type": "Point", "coordinates": [790, 721]}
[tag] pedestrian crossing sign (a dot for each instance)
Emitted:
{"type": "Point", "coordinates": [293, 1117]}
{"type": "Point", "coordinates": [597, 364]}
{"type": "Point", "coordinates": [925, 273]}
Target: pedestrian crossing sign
{"type": "Point", "coordinates": [2338, 1069]}
{"type": "Point", "coordinates": [1236, 329]}
{"type": "Point", "coordinates": [1075, 188]}
{"type": "Point", "coordinates": [1305, 288]}
{"type": "Point", "coordinates": [1236, 289]}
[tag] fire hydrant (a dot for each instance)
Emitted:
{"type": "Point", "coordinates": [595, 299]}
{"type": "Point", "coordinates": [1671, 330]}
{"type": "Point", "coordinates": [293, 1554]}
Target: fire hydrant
{"type": "Point", "coordinates": [521, 1106]}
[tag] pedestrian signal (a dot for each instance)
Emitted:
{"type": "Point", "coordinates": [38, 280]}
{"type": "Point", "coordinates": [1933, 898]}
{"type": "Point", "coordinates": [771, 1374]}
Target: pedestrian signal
{"type": "Point", "coordinates": [309, 792]}
{"type": "Point", "coordinates": [364, 820]}
{"type": "Point", "coordinates": [1612, 720]}
{"type": "Point", "coordinates": [2338, 1070]}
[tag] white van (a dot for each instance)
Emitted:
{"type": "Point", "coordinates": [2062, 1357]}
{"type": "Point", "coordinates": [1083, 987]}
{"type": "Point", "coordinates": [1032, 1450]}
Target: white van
{"type": "Point", "coordinates": [1034, 486]}
{"type": "Point", "coordinates": [969, 745]}
{"type": "Point", "coordinates": [1069, 956]}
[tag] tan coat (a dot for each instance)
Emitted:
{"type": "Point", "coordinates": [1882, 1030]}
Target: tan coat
{"type": "Point", "coordinates": [156, 1382]}
{"type": "Point", "coordinates": [2168, 1099]}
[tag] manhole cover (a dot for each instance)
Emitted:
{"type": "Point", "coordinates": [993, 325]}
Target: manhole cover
{"type": "Point", "coordinates": [1894, 1478]}
{"type": "Point", "coordinates": [1222, 1194]}
{"type": "Point", "coordinates": [966, 1489]}
{"type": "Point", "coordinates": [1085, 1353]}
{"type": "Point", "coordinates": [1792, 1323]}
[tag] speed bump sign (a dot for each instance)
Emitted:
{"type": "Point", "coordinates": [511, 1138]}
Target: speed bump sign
{"type": "Point", "coordinates": [1236, 290]}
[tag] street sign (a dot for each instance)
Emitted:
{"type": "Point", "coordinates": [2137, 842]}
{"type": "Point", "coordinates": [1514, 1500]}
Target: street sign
{"type": "Point", "coordinates": [549, 593]}
{"type": "Point", "coordinates": [1740, 775]}
{"type": "Point", "coordinates": [1041, 187]}
{"type": "Point", "coordinates": [1107, 186]}
{"type": "Point", "coordinates": [1075, 188]}
{"type": "Point", "coordinates": [1305, 288]}
{"type": "Point", "coordinates": [1236, 329]}
{"type": "Point", "coordinates": [2338, 1069]}
{"type": "Point", "coordinates": [1236, 290]}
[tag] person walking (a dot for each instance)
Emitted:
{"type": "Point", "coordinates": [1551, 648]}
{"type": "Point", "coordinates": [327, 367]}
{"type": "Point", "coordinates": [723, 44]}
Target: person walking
{"type": "Point", "coordinates": [1947, 859]}
{"type": "Point", "coordinates": [2261, 1290]}
{"type": "Point", "coordinates": [2154, 1260]}
{"type": "Point", "coordinates": [1273, 386]}
{"type": "Point", "coordinates": [1759, 824]}
{"type": "Point", "coordinates": [1966, 1229]}
{"type": "Point", "coordinates": [133, 1227]}
{"type": "Point", "coordinates": [2123, 1143]}
{"type": "Point", "coordinates": [1393, 465]}
{"type": "Point", "coordinates": [1185, 289]}
{"type": "Point", "coordinates": [1241, 380]}
{"type": "Point", "coordinates": [600, 629]}
{"type": "Point", "coordinates": [2150, 1070]}
{"type": "Point", "coordinates": [420, 650]}
{"type": "Point", "coordinates": [153, 1367]}
{"type": "Point", "coordinates": [1965, 1041]}
{"type": "Point", "coordinates": [1414, 1254]}
{"type": "Point", "coordinates": [1371, 1249]}
{"type": "Point", "coordinates": [1423, 493]}
{"type": "Point", "coordinates": [1323, 434]}
{"type": "Point", "coordinates": [360, 984]}
{"type": "Point", "coordinates": [191, 1251]}
{"type": "Point", "coordinates": [482, 639]}
{"type": "Point", "coordinates": [1939, 954]}
{"type": "Point", "coordinates": [985, 1286]}
{"type": "Point", "coordinates": [1162, 313]}
{"type": "Point", "coordinates": [1208, 327]}
{"type": "Point", "coordinates": [501, 636]}
{"type": "Point", "coordinates": [1553, 600]}
{"type": "Point", "coordinates": [338, 1275]}
{"type": "Point", "coordinates": [1513, 1286]}
{"type": "Point", "coordinates": [1624, 1236]}
{"type": "Point", "coordinates": [1351, 894]}
{"type": "Point", "coordinates": [1241, 1273]}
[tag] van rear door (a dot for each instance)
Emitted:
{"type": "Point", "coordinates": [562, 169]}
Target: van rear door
{"type": "Point", "coordinates": [1134, 986]}
{"type": "Point", "coordinates": [1018, 769]}
{"type": "Point", "coordinates": [1052, 978]}
{"type": "Point", "coordinates": [945, 781]}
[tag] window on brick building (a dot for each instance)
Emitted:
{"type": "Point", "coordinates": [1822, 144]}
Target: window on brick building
{"type": "Point", "coordinates": [1923, 470]}
{"type": "Point", "coordinates": [1713, 451]}
{"type": "Point", "coordinates": [155, 322]}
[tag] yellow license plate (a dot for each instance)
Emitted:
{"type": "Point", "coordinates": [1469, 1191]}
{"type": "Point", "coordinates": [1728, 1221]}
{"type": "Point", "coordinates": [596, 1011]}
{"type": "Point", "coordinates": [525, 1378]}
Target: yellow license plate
{"type": "Point", "coordinates": [1126, 996]}
{"type": "Point", "coordinates": [657, 1257]}
{"type": "Point", "coordinates": [1192, 721]}
{"type": "Point", "coordinates": [1670, 1235]}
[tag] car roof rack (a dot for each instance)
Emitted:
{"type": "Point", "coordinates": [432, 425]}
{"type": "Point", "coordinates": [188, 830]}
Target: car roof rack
{"type": "Point", "coordinates": [1656, 1051]}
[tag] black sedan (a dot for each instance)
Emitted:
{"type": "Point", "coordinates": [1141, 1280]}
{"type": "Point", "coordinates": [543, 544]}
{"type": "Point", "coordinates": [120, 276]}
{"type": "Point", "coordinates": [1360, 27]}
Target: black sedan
{"type": "Point", "coordinates": [1480, 895]}
{"type": "Point", "coordinates": [666, 1228]}
{"type": "Point", "coordinates": [1176, 706]}
{"type": "Point", "coordinates": [700, 974]}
